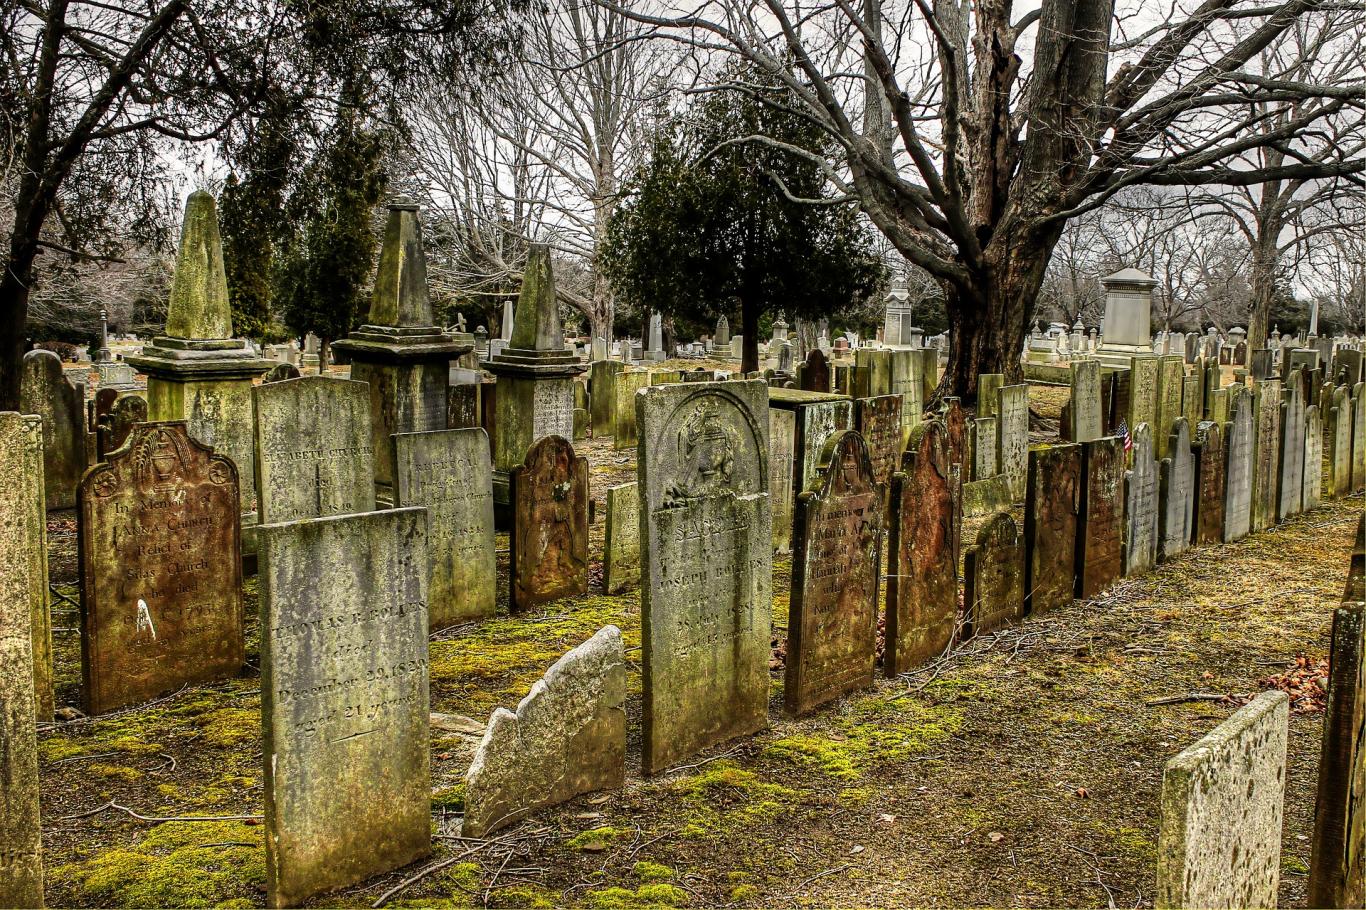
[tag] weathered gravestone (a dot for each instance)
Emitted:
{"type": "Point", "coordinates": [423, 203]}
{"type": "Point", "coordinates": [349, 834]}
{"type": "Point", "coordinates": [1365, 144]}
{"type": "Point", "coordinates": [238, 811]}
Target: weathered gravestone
{"type": "Point", "coordinates": [1143, 391]}
{"type": "Point", "coordinates": [706, 553]}
{"type": "Point", "coordinates": [280, 372]}
{"type": "Point", "coordinates": [549, 537]}
{"type": "Point", "coordinates": [836, 558]}
{"type": "Point", "coordinates": [1141, 504]}
{"type": "Point", "coordinates": [1266, 472]}
{"type": "Point", "coordinates": [21, 487]}
{"type": "Point", "coordinates": [28, 531]}
{"type": "Point", "coordinates": [988, 384]}
{"type": "Point", "coordinates": [1208, 449]}
{"type": "Point", "coordinates": [1193, 399]}
{"type": "Point", "coordinates": [44, 390]}
{"type": "Point", "coordinates": [1338, 435]}
{"type": "Point", "coordinates": [994, 576]}
{"type": "Point", "coordinates": [1171, 374]}
{"type": "Point", "coordinates": [814, 374]}
{"type": "Point", "coordinates": [567, 737]}
{"type": "Point", "coordinates": [1290, 489]}
{"type": "Point", "coordinates": [161, 569]}
{"type": "Point", "coordinates": [1176, 510]}
{"type": "Point", "coordinates": [114, 427]}
{"type": "Point", "coordinates": [1085, 408]}
{"type": "Point", "coordinates": [1222, 802]}
{"type": "Point", "coordinates": [344, 699]}
{"type": "Point", "coordinates": [782, 433]}
{"type": "Point", "coordinates": [1337, 865]}
{"type": "Point", "coordinates": [625, 386]}
{"type": "Point", "coordinates": [1356, 572]}
{"type": "Point", "coordinates": [463, 406]}
{"type": "Point", "coordinates": [983, 446]}
{"type": "Point", "coordinates": [1359, 437]}
{"type": "Point", "coordinates": [450, 473]}
{"type": "Point", "coordinates": [1313, 458]}
{"type": "Point", "coordinates": [621, 548]}
{"type": "Point", "coordinates": [1100, 517]}
{"type": "Point", "coordinates": [908, 381]}
{"type": "Point", "coordinates": [878, 421]}
{"type": "Point", "coordinates": [1051, 506]}
{"type": "Point", "coordinates": [314, 451]}
{"type": "Point", "coordinates": [602, 399]}
{"type": "Point", "coordinates": [922, 580]}
{"type": "Point", "coordinates": [1012, 437]}
{"type": "Point", "coordinates": [818, 417]}
{"type": "Point", "coordinates": [1240, 439]}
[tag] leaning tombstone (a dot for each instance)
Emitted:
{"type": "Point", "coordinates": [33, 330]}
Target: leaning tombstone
{"type": "Point", "coordinates": [161, 569]}
{"type": "Point", "coordinates": [993, 577]}
{"type": "Point", "coordinates": [1176, 509]}
{"type": "Point", "coordinates": [878, 421]}
{"type": "Point", "coordinates": [1051, 505]}
{"type": "Point", "coordinates": [1222, 803]}
{"type": "Point", "coordinates": [344, 699]}
{"type": "Point", "coordinates": [44, 390]}
{"type": "Point", "coordinates": [836, 558]}
{"type": "Point", "coordinates": [1239, 453]}
{"type": "Point", "coordinates": [706, 555]}
{"type": "Point", "coordinates": [549, 536]}
{"type": "Point", "coordinates": [1100, 517]}
{"type": "Point", "coordinates": [1265, 475]}
{"type": "Point", "coordinates": [1313, 458]}
{"type": "Point", "coordinates": [450, 473]}
{"type": "Point", "coordinates": [114, 427]}
{"type": "Point", "coordinates": [314, 451]}
{"type": "Point", "coordinates": [567, 737]}
{"type": "Point", "coordinates": [621, 547]}
{"type": "Point", "coordinates": [922, 579]}
{"type": "Point", "coordinates": [1208, 450]}
{"type": "Point", "coordinates": [1337, 864]}
{"type": "Point", "coordinates": [1141, 505]}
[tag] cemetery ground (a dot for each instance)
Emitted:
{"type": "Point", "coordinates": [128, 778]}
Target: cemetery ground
{"type": "Point", "coordinates": [1021, 770]}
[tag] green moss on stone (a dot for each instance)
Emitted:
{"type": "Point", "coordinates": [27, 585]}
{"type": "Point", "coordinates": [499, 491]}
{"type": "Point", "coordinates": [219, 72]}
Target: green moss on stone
{"type": "Point", "coordinates": [596, 839]}
{"type": "Point", "coordinates": [875, 732]}
{"type": "Point", "coordinates": [652, 872]}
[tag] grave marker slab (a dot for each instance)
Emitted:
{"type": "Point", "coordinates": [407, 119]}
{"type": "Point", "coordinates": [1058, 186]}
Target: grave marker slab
{"type": "Point", "coordinates": [1240, 442]}
{"type": "Point", "coordinates": [988, 384]}
{"type": "Point", "coordinates": [1356, 572]}
{"type": "Point", "coordinates": [1208, 449]}
{"type": "Point", "coordinates": [782, 432]}
{"type": "Point", "coordinates": [1143, 390]}
{"type": "Point", "coordinates": [1359, 437]}
{"type": "Point", "coordinates": [625, 386]}
{"type": "Point", "coordinates": [44, 390]}
{"type": "Point", "coordinates": [450, 473]}
{"type": "Point", "coordinates": [621, 549]}
{"type": "Point", "coordinates": [1290, 490]}
{"type": "Point", "coordinates": [344, 699]}
{"type": "Point", "coordinates": [706, 548]}
{"type": "Point", "coordinates": [1193, 398]}
{"type": "Point", "coordinates": [113, 429]}
{"type": "Point", "coordinates": [549, 538]}
{"type": "Point", "coordinates": [161, 569]}
{"type": "Point", "coordinates": [1100, 518]}
{"type": "Point", "coordinates": [836, 558]}
{"type": "Point", "coordinates": [1266, 474]}
{"type": "Point", "coordinates": [1012, 437]}
{"type": "Point", "coordinates": [814, 374]}
{"type": "Point", "coordinates": [1222, 802]}
{"type": "Point", "coordinates": [1171, 374]}
{"type": "Point", "coordinates": [1338, 435]}
{"type": "Point", "coordinates": [1052, 503]}
{"type": "Point", "coordinates": [1176, 510]}
{"type": "Point", "coordinates": [878, 421]}
{"type": "Point", "coordinates": [602, 398]}
{"type": "Point", "coordinates": [1141, 505]}
{"type": "Point", "coordinates": [983, 448]}
{"type": "Point", "coordinates": [993, 576]}
{"type": "Point", "coordinates": [1087, 423]}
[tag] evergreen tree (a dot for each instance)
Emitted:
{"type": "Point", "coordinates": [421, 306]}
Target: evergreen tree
{"type": "Point", "coordinates": [713, 219]}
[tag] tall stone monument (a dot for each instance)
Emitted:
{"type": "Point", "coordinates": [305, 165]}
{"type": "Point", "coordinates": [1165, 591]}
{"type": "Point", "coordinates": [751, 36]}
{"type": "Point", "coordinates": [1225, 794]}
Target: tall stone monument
{"type": "Point", "coordinates": [400, 351]}
{"type": "Point", "coordinates": [1128, 317]}
{"type": "Point", "coordinates": [197, 372]}
{"type": "Point", "coordinates": [535, 375]}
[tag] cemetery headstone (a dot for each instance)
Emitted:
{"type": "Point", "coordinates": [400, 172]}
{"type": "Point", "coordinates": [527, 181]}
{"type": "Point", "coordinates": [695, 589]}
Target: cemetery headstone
{"type": "Point", "coordinates": [1012, 437]}
{"type": "Point", "coordinates": [44, 390]}
{"type": "Point", "coordinates": [1141, 505]}
{"type": "Point", "coordinates": [1085, 403]}
{"type": "Point", "coordinates": [782, 433]}
{"type": "Point", "coordinates": [814, 374]}
{"type": "Point", "coordinates": [878, 421]}
{"type": "Point", "coordinates": [281, 372]}
{"type": "Point", "coordinates": [1052, 503]}
{"type": "Point", "coordinates": [1359, 437]}
{"type": "Point", "coordinates": [1355, 591]}
{"type": "Point", "coordinates": [1338, 435]}
{"type": "Point", "coordinates": [1176, 510]}
{"type": "Point", "coordinates": [1313, 458]}
{"type": "Point", "coordinates": [993, 576]}
{"type": "Point", "coordinates": [1170, 377]}
{"type": "Point", "coordinates": [1144, 380]}
{"type": "Point", "coordinates": [621, 549]}
{"type": "Point", "coordinates": [983, 447]}
{"type": "Point", "coordinates": [449, 472]}
{"type": "Point", "coordinates": [1100, 517]}
{"type": "Point", "coordinates": [836, 558]}
{"type": "Point", "coordinates": [549, 537]}
{"type": "Point", "coordinates": [1193, 399]}
{"type": "Point", "coordinates": [1240, 442]}
{"type": "Point", "coordinates": [1208, 449]}
{"type": "Point", "coordinates": [602, 399]}
{"type": "Point", "coordinates": [625, 386]}
{"type": "Point", "coordinates": [161, 569]}
{"type": "Point", "coordinates": [1290, 493]}
{"type": "Point", "coordinates": [114, 427]}
{"type": "Point", "coordinates": [1266, 473]}
{"type": "Point", "coordinates": [988, 384]}
{"type": "Point", "coordinates": [706, 554]}
{"type": "Point", "coordinates": [344, 699]}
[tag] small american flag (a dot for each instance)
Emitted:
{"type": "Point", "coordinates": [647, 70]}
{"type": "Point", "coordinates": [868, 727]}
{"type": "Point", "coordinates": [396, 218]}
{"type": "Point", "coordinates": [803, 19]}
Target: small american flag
{"type": "Point", "coordinates": [1123, 432]}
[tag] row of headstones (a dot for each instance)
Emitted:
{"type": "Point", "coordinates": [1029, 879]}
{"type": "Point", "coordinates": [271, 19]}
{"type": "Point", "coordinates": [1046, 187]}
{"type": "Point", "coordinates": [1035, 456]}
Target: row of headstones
{"type": "Point", "coordinates": [1223, 798]}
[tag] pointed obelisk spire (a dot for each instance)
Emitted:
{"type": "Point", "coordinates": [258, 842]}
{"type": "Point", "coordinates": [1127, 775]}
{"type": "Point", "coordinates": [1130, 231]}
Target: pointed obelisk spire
{"type": "Point", "coordinates": [401, 297]}
{"type": "Point", "coordinates": [198, 308]}
{"type": "Point", "coordinates": [537, 326]}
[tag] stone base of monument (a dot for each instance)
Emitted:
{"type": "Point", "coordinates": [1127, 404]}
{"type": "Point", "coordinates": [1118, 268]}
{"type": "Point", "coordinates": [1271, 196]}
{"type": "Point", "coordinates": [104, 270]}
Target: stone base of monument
{"type": "Point", "coordinates": [1118, 355]}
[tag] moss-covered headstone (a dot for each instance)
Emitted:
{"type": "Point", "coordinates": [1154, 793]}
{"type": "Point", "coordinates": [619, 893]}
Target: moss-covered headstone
{"type": "Point", "coordinates": [45, 391]}
{"type": "Point", "coordinates": [1100, 519]}
{"type": "Point", "coordinates": [1052, 502]}
{"type": "Point", "coordinates": [1240, 439]}
{"type": "Point", "coordinates": [549, 537]}
{"type": "Point", "coordinates": [993, 576]}
{"type": "Point", "coordinates": [621, 546]}
{"type": "Point", "coordinates": [1141, 494]}
{"type": "Point", "coordinates": [1265, 474]}
{"type": "Point", "coordinates": [1290, 492]}
{"type": "Point", "coordinates": [1208, 450]}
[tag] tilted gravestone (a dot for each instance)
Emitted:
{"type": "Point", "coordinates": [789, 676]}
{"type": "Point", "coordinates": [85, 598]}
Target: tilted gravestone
{"type": "Point", "coordinates": [44, 390]}
{"type": "Point", "coordinates": [1100, 517]}
{"type": "Point", "coordinates": [1290, 494]}
{"type": "Point", "coordinates": [1208, 449]}
{"type": "Point", "coordinates": [922, 580]}
{"type": "Point", "coordinates": [1222, 802]}
{"type": "Point", "coordinates": [113, 428]}
{"type": "Point", "coordinates": [1051, 506]}
{"type": "Point", "coordinates": [993, 576]}
{"type": "Point", "coordinates": [1239, 452]}
{"type": "Point", "coordinates": [878, 421]}
{"type": "Point", "coordinates": [1193, 398]}
{"type": "Point", "coordinates": [567, 737]}
{"type": "Point", "coordinates": [161, 569]}
{"type": "Point", "coordinates": [1313, 458]}
{"type": "Point", "coordinates": [1085, 411]}
{"type": "Point", "coordinates": [1141, 505]}
{"type": "Point", "coordinates": [314, 452]}
{"type": "Point", "coordinates": [782, 433]}
{"type": "Point", "coordinates": [344, 699]}
{"type": "Point", "coordinates": [21, 486]}
{"type": "Point", "coordinates": [621, 548]}
{"type": "Point", "coordinates": [706, 548]}
{"type": "Point", "coordinates": [451, 474]}
{"type": "Point", "coordinates": [1337, 865]}
{"type": "Point", "coordinates": [1012, 437]}
{"type": "Point", "coordinates": [1176, 508]}
{"type": "Point", "coordinates": [1266, 473]}
{"type": "Point", "coordinates": [836, 557]}
{"type": "Point", "coordinates": [549, 537]}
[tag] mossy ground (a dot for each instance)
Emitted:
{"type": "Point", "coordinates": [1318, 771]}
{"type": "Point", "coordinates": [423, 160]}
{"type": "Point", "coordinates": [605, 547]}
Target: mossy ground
{"type": "Point", "coordinates": [1024, 772]}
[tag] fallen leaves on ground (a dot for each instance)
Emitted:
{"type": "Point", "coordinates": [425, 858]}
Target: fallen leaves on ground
{"type": "Point", "coordinates": [1305, 683]}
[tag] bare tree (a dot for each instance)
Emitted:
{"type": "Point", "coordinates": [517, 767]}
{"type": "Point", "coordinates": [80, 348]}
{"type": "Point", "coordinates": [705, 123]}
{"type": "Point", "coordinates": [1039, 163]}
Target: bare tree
{"type": "Point", "coordinates": [992, 156]}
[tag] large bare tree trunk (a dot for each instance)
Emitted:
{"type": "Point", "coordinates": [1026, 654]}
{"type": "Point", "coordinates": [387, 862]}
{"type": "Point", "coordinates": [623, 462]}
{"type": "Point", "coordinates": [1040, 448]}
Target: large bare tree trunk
{"type": "Point", "coordinates": [988, 323]}
{"type": "Point", "coordinates": [1263, 281]}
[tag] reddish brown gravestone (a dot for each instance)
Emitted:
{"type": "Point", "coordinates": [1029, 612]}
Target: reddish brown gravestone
{"type": "Point", "coordinates": [1209, 484]}
{"type": "Point", "coordinates": [549, 540]}
{"type": "Point", "coordinates": [878, 421]}
{"type": "Point", "coordinates": [922, 581]}
{"type": "Point", "coordinates": [832, 615]}
{"type": "Point", "coordinates": [1100, 550]}
{"type": "Point", "coordinates": [956, 447]}
{"type": "Point", "coordinates": [161, 568]}
{"type": "Point", "coordinates": [1052, 500]}
{"type": "Point", "coordinates": [994, 576]}
{"type": "Point", "coordinates": [815, 372]}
